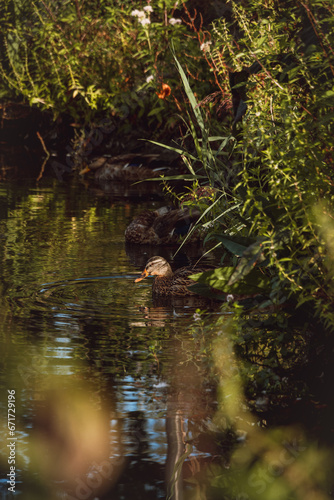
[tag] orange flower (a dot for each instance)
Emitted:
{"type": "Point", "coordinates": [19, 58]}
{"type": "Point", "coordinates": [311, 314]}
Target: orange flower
{"type": "Point", "coordinates": [164, 92]}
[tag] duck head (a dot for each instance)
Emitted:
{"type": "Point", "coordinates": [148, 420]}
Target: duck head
{"type": "Point", "coordinates": [156, 266]}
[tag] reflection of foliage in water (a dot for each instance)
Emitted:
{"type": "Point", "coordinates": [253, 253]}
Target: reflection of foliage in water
{"type": "Point", "coordinates": [276, 453]}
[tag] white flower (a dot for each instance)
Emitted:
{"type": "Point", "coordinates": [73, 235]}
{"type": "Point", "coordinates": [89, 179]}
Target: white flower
{"type": "Point", "coordinates": [148, 8]}
{"type": "Point", "coordinates": [205, 46]}
{"type": "Point", "coordinates": [197, 316]}
{"type": "Point", "coordinates": [144, 21]}
{"type": "Point", "coordinates": [229, 297]}
{"type": "Point", "coordinates": [149, 78]}
{"type": "Point", "coordinates": [138, 13]}
{"type": "Point", "coordinates": [174, 21]}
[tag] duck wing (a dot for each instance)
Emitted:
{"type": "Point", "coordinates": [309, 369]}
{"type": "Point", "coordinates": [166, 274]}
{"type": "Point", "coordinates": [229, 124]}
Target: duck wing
{"type": "Point", "coordinates": [124, 159]}
{"type": "Point", "coordinates": [134, 157]}
{"type": "Point", "coordinates": [162, 226]}
{"type": "Point", "coordinates": [176, 222]}
{"type": "Point", "coordinates": [181, 281]}
{"type": "Point", "coordinates": [130, 172]}
{"type": "Point", "coordinates": [140, 230]}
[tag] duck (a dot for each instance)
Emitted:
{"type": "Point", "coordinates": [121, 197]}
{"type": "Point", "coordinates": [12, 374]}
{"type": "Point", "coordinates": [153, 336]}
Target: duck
{"type": "Point", "coordinates": [166, 282]}
{"type": "Point", "coordinates": [129, 167]}
{"type": "Point", "coordinates": [164, 226]}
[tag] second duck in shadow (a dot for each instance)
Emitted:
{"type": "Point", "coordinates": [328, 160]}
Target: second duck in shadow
{"type": "Point", "coordinates": [129, 167]}
{"type": "Point", "coordinates": [165, 226]}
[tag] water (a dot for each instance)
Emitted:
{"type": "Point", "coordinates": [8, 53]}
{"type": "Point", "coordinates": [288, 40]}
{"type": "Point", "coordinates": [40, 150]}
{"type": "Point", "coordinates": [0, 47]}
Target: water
{"type": "Point", "coordinates": [118, 396]}
{"type": "Point", "coordinates": [106, 388]}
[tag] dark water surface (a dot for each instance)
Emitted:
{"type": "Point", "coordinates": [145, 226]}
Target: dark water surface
{"type": "Point", "coordinates": [117, 396]}
{"type": "Point", "coordinates": [109, 387]}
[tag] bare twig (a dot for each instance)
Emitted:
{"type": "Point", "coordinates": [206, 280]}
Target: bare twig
{"type": "Point", "coordinates": [46, 159]}
{"type": "Point", "coordinates": [78, 10]}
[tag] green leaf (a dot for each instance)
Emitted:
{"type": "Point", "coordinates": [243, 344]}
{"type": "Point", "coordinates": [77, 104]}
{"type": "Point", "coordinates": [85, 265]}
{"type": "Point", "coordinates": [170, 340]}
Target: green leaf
{"type": "Point", "coordinates": [253, 284]}
{"type": "Point", "coordinates": [191, 96]}
{"type": "Point", "coordinates": [261, 41]}
{"type": "Point", "coordinates": [205, 291]}
{"type": "Point", "coordinates": [155, 111]}
{"type": "Point", "coordinates": [232, 244]}
{"type": "Point", "coordinates": [216, 138]}
{"type": "Point", "coordinates": [250, 257]}
{"type": "Point", "coordinates": [186, 177]}
{"type": "Point", "coordinates": [218, 278]}
{"type": "Point", "coordinates": [176, 150]}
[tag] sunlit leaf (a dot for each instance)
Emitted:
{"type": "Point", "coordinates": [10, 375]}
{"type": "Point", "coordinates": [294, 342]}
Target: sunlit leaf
{"type": "Point", "coordinates": [250, 257]}
{"type": "Point", "coordinates": [253, 283]}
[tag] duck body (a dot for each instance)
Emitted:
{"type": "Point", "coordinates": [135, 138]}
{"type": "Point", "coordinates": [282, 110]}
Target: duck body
{"type": "Point", "coordinates": [129, 167]}
{"type": "Point", "coordinates": [166, 283]}
{"type": "Point", "coordinates": [164, 226]}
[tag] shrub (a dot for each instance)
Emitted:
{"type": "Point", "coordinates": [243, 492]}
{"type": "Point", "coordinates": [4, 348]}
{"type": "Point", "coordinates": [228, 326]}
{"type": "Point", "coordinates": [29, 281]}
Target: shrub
{"type": "Point", "coordinates": [72, 57]}
{"type": "Point", "coordinates": [284, 62]}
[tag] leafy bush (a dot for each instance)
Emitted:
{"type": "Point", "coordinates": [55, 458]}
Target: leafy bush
{"type": "Point", "coordinates": [280, 65]}
{"type": "Point", "coordinates": [72, 57]}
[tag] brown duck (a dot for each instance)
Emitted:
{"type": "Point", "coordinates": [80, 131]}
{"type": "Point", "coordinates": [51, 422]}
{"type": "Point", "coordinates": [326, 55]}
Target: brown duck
{"type": "Point", "coordinates": [167, 283]}
{"type": "Point", "coordinates": [129, 167]}
{"type": "Point", "coordinates": [164, 226]}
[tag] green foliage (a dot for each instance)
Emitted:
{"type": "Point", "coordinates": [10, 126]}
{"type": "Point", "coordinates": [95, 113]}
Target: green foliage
{"type": "Point", "coordinates": [208, 161]}
{"type": "Point", "coordinates": [83, 59]}
{"type": "Point", "coordinates": [284, 146]}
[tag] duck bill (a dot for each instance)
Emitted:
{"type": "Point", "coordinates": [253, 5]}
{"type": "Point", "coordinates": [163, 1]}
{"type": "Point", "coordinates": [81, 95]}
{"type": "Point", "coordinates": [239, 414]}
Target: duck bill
{"type": "Point", "coordinates": [142, 276]}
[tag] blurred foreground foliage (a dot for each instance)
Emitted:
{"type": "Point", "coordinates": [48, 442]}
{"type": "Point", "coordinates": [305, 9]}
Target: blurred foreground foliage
{"type": "Point", "coordinates": [271, 424]}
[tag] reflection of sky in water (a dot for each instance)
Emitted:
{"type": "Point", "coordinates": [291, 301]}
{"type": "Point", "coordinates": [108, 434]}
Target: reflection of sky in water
{"type": "Point", "coordinates": [141, 403]}
{"type": "Point", "coordinates": [133, 402]}
{"type": "Point", "coordinates": [61, 351]}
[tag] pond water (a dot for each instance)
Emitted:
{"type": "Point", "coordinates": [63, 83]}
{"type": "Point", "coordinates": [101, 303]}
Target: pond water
{"type": "Point", "coordinates": [109, 386]}
{"type": "Point", "coordinates": [115, 395]}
